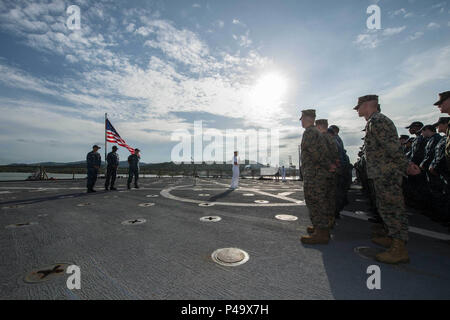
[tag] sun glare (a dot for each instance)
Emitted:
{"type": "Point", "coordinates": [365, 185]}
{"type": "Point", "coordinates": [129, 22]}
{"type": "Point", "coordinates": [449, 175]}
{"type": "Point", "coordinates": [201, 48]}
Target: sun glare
{"type": "Point", "coordinates": [268, 91]}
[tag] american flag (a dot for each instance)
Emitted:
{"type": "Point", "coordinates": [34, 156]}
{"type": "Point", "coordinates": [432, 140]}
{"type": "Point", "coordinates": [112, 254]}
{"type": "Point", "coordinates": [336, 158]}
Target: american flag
{"type": "Point", "coordinates": [114, 137]}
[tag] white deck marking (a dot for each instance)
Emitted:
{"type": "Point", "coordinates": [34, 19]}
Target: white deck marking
{"type": "Point", "coordinates": [283, 194]}
{"type": "Point", "coordinates": [281, 197]}
{"type": "Point", "coordinates": [423, 232]}
{"type": "Point", "coordinates": [292, 202]}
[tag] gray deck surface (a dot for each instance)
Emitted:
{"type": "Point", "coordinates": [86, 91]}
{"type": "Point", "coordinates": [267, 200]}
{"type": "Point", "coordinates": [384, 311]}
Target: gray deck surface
{"type": "Point", "coordinates": [169, 256]}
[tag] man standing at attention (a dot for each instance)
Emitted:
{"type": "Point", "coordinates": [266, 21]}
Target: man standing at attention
{"type": "Point", "coordinates": [331, 185]}
{"type": "Point", "coordinates": [444, 106]}
{"type": "Point", "coordinates": [93, 161]}
{"type": "Point", "coordinates": [111, 170]}
{"type": "Point", "coordinates": [235, 179]}
{"type": "Point", "coordinates": [133, 169]}
{"type": "Point", "coordinates": [386, 167]}
{"type": "Point", "coordinates": [316, 170]}
{"type": "Point", "coordinates": [283, 174]}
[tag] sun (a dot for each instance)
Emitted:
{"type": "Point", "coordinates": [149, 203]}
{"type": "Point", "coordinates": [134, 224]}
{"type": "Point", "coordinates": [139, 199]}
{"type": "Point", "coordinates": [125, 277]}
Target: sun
{"type": "Point", "coordinates": [268, 91]}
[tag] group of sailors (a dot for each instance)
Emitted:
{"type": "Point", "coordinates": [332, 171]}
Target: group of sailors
{"type": "Point", "coordinates": [94, 162]}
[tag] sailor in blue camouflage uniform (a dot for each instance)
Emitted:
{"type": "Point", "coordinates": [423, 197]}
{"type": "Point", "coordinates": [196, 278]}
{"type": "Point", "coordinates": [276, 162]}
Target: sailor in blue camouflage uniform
{"type": "Point", "coordinates": [444, 106]}
{"type": "Point", "coordinates": [386, 167]}
{"type": "Point", "coordinates": [133, 169]}
{"type": "Point", "coordinates": [429, 132]}
{"type": "Point", "coordinates": [111, 170]}
{"type": "Point", "coordinates": [408, 147]}
{"type": "Point", "coordinates": [438, 167]}
{"type": "Point", "coordinates": [438, 176]}
{"type": "Point", "coordinates": [416, 186]}
{"type": "Point", "coordinates": [418, 146]}
{"type": "Point", "coordinates": [93, 161]}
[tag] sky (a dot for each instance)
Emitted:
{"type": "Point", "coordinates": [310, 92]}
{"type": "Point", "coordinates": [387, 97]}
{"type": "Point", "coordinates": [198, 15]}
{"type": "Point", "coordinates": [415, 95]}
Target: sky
{"type": "Point", "coordinates": [157, 66]}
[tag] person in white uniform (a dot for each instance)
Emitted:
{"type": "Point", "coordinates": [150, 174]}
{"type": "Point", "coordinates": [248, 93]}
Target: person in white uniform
{"type": "Point", "coordinates": [235, 179]}
{"type": "Point", "coordinates": [283, 174]}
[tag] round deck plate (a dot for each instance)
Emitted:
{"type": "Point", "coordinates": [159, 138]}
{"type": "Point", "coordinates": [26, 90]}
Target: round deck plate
{"type": "Point", "coordinates": [230, 257]}
{"type": "Point", "coordinates": [286, 217]}
{"type": "Point", "coordinates": [211, 219]}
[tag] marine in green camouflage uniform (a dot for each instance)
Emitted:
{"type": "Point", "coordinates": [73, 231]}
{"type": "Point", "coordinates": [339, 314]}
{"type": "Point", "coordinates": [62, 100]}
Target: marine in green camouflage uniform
{"type": "Point", "coordinates": [333, 157]}
{"type": "Point", "coordinates": [386, 167]}
{"type": "Point", "coordinates": [315, 170]}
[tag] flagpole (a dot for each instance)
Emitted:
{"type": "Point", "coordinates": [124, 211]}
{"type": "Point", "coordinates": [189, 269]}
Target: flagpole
{"type": "Point", "coordinates": [106, 147]}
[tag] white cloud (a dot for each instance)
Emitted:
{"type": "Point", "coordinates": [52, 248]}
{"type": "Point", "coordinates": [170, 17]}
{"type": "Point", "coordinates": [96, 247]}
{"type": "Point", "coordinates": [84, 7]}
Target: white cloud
{"type": "Point", "coordinates": [196, 5]}
{"type": "Point", "coordinates": [143, 31]}
{"type": "Point", "coordinates": [415, 36]}
{"type": "Point", "coordinates": [182, 45]}
{"type": "Point", "coordinates": [130, 27]}
{"type": "Point", "coordinates": [392, 31]}
{"type": "Point", "coordinates": [71, 58]}
{"type": "Point", "coordinates": [238, 22]}
{"type": "Point", "coordinates": [244, 40]}
{"type": "Point", "coordinates": [401, 11]}
{"type": "Point", "coordinates": [373, 38]}
{"type": "Point", "coordinates": [367, 40]}
{"type": "Point", "coordinates": [433, 26]}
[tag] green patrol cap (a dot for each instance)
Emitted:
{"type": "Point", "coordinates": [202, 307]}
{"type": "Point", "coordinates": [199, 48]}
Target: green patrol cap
{"type": "Point", "coordinates": [442, 97]}
{"type": "Point", "coordinates": [322, 122]}
{"type": "Point", "coordinates": [308, 113]}
{"type": "Point", "coordinates": [363, 99]}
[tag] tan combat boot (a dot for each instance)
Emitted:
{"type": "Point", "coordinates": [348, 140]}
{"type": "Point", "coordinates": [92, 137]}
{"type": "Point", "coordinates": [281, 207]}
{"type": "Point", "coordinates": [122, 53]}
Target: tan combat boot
{"type": "Point", "coordinates": [383, 241]}
{"type": "Point", "coordinates": [397, 253]}
{"type": "Point", "coordinates": [310, 229]}
{"type": "Point", "coordinates": [320, 236]}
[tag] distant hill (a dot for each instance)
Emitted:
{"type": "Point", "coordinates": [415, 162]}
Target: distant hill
{"type": "Point", "coordinates": [76, 164]}
{"type": "Point", "coordinates": [79, 167]}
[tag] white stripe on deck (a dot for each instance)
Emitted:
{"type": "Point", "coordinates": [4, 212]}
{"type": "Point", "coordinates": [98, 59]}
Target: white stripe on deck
{"type": "Point", "coordinates": [422, 232]}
